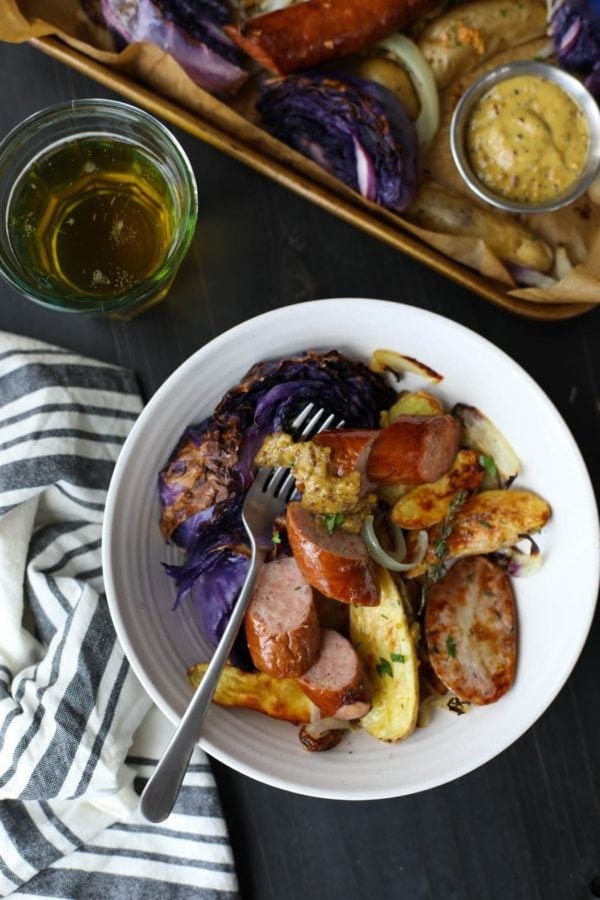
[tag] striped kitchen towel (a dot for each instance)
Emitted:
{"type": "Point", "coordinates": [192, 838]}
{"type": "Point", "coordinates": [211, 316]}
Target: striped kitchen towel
{"type": "Point", "coordinates": [78, 735]}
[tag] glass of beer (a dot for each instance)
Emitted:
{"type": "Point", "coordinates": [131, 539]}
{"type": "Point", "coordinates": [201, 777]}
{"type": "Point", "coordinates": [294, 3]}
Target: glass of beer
{"type": "Point", "coordinates": [99, 206]}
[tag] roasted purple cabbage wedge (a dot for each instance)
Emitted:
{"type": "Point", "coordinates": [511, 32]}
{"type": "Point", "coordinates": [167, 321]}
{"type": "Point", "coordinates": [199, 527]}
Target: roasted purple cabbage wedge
{"type": "Point", "coordinates": [189, 31]}
{"type": "Point", "coordinates": [575, 27]}
{"type": "Point", "coordinates": [355, 129]}
{"type": "Point", "coordinates": [202, 487]}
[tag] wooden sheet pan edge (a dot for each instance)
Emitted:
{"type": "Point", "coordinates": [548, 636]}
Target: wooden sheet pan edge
{"type": "Point", "coordinates": [216, 137]}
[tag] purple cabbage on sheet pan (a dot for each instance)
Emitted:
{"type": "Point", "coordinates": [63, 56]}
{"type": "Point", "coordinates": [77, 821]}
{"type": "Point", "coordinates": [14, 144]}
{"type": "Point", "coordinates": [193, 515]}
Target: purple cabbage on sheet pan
{"type": "Point", "coordinates": [355, 129]}
{"type": "Point", "coordinates": [575, 27]}
{"type": "Point", "coordinates": [190, 31]}
{"type": "Point", "coordinates": [204, 483]}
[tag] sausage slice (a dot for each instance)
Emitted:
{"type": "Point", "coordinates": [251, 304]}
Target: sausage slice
{"type": "Point", "coordinates": [414, 450]}
{"type": "Point", "coordinates": [282, 626]}
{"type": "Point", "coordinates": [349, 447]}
{"type": "Point", "coordinates": [337, 682]}
{"type": "Point", "coordinates": [471, 630]}
{"type": "Point", "coordinates": [338, 564]}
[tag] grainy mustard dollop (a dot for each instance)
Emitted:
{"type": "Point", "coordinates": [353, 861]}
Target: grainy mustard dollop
{"type": "Point", "coordinates": [527, 140]}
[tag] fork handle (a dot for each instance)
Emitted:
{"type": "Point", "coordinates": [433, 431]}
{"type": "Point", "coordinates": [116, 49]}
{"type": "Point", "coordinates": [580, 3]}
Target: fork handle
{"type": "Point", "coordinates": [160, 793]}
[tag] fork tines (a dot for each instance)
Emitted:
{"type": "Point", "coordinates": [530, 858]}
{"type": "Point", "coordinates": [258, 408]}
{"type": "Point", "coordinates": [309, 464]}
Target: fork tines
{"type": "Point", "coordinates": [306, 424]}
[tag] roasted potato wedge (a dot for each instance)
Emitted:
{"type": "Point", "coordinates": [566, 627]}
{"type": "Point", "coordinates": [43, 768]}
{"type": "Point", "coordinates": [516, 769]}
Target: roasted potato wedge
{"type": "Point", "coordinates": [485, 523]}
{"type": "Point", "coordinates": [280, 698]}
{"type": "Point", "coordinates": [439, 209]}
{"type": "Point", "coordinates": [415, 403]}
{"type": "Point", "coordinates": [382, 638]}
{"type": "Point", "coordinates": [469, 33]}
{"type": "Point", "coordinates": [428, 504]}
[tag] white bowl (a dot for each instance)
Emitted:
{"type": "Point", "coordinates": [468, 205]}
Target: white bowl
{"type": "Point", "coordinates": [555, 605]}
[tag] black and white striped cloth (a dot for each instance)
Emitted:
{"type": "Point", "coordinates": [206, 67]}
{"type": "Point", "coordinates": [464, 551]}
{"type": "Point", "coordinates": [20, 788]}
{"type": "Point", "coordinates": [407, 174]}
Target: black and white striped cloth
{"type": "Point", "coordinates": [78, 736]}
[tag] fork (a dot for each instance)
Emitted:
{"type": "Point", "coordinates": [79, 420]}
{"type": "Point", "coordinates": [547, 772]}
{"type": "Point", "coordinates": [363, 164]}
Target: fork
{"type": "Point", "coordinates": [267, 497]}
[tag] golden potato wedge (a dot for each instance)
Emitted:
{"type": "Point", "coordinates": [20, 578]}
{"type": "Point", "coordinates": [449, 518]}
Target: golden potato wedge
{"type": "Point", "coordinates": [469, 33]}
{"type": "Point", "coordinates": [485, 523]}
{"type": "Point", "coordinates": [438, 208]}
{"type": "Point", "coordinates": [415, 403]}
{"type": "Point", "coordinates": [280, 698]}
{"type": "Point", "coordinates": [428, 504]}
{"type": "Point", "coordinates": [382, 638]}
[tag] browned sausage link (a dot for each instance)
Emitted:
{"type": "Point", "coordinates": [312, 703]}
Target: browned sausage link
{"type": "Point", "coordinates": [471, 630]}
{"type": "Point", "coordinates": [414, 450]}
{"type": "Point", "coordinates": [282, 626]}
{"type": "Point", "coordinates": [337, 682]}
{"type": "Point", "coordinates": [349, 448]}
{"type": "Point", "coordinates": [315, 31]}
{"type": "Point", "coordinates": [336, 564]}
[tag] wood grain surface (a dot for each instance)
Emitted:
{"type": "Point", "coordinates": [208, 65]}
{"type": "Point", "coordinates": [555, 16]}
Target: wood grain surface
{"type": "Point", "coordinates": [526, 826]}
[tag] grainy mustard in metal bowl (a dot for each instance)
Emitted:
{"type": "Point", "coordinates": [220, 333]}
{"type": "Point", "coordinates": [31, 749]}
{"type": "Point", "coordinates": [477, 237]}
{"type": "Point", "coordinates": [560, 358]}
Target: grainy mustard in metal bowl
{"type": "Point", "coordinates": [526, 137]}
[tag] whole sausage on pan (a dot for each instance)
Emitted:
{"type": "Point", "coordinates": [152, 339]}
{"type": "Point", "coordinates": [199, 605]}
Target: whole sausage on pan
{"type": "Point", "coordinates": [338, 564]}
{"type": "Point", "coordinates": [471, 630]}
{"type": "Point", "coordinates": [337, 682]}
{"type": "Point", "coordinates": [414, 450]}
{"type": "Point", "coordinates": [314, 31]}
{"type": "Point", "coordinates": [282, 626]}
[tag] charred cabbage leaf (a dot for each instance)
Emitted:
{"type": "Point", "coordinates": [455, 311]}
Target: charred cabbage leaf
{"type": "Point", "coordinates": [203, 486]}
{"type": "Point", "coordinates": [189, 31]}
{"type": "Point", "coordinates": [575, 27]}
{"type": "Point", "coordinates": [355, 129]}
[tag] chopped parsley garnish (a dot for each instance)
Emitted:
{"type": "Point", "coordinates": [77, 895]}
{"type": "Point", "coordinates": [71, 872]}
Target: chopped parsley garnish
{"type": "Point", "coordinates": [450, 646]}
{"type": "Point", "coordinates": [384, 667]}
{"type": "Point", "coordinates": [398, 657]}
{"type": "Point", "coordinates": [333, 520]}
{"type": "Point", "coordinates": [276, 537]}
{"type": "Point", "coordinates": [487, 463]}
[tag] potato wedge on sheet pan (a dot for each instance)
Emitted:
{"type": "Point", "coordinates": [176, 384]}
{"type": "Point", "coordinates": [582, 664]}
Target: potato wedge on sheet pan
{"type": "Point", "coordinates": [280, 698]}
{"type": "Point", "coordinates": [382, 638]}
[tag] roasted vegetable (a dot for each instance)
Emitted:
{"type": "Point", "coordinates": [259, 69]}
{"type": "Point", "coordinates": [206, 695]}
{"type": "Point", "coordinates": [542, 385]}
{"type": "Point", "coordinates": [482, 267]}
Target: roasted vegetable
{"type": "Point", "coordinates": [469, 33]}
{"type": "Point", "coordinates": [382, 638]}
{"type": "Point", "coordinates": [190, 32]}
{"type": "Point", "coordinates": [355, 129]}
{"type": "Point", "coordinates": [486, 522]}
{"type": "Point", "coordinates": [439, 209]}
{"type": "Point", "coordinates": [427, 504]}
{"type": "Point", "coordinates": [575, 28]}
{"type": "Point", "coordinates": [280, 698]}
{"type": "Point", "coordinates": [480, 433]}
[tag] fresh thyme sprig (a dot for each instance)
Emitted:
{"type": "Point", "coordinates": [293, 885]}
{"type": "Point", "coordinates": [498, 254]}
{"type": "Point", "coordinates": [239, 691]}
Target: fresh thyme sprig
{"type": "Point", "coordinates": [440, 547]}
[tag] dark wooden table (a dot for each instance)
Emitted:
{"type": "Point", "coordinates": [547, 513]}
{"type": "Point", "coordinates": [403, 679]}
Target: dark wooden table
{"type": "Point", "coordinates": [526, 826]}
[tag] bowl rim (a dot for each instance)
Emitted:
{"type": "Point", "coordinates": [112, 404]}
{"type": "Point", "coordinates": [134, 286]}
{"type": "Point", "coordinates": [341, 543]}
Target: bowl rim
{"type": "Point", "coordinates": [574, 88]}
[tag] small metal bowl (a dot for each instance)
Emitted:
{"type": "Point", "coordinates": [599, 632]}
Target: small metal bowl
{"type": "Point", "coordinates": [572, 87]}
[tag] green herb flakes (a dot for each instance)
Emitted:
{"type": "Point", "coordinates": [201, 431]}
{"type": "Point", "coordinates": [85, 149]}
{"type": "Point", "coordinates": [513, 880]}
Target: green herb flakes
{"type": "Point", "coordinates": [398, 657]}
{"type": "Point", "coordinates": [276, 537]}
{"type": "Point", "coordinates": [487, 463]}
{"type": "Point", "coordinates": [384, 667]}
{"type": "Point", "coordinates": [451, 646]}
{"type": "Point", "coordinates": [333, 520]}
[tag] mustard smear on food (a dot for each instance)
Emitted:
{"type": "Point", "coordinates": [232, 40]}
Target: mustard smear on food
{"type": "Point", "coordinates": [323, 493]}
{"type": "Point", "coordinates": [527, 140]}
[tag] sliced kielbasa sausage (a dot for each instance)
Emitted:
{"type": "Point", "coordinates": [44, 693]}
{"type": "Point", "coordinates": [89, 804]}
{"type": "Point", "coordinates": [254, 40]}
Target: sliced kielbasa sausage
{"type": "Point", "coordinates": [282, 626]}
{"type": "Point", "coordinates": [471, 630]}
{"type": "Point", "coordinates": [338, 564]}
{"type": "Point", "coordinates": [349, 447]}
{"type": "Point", "coordinates": [414, 450]}
{"type": "Point", "coordinates": [337, 682]}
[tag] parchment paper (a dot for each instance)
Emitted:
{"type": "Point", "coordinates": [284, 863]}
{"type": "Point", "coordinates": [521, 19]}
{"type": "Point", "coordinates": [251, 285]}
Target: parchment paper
{"type": "Point", "coordinates": [21, 20]}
